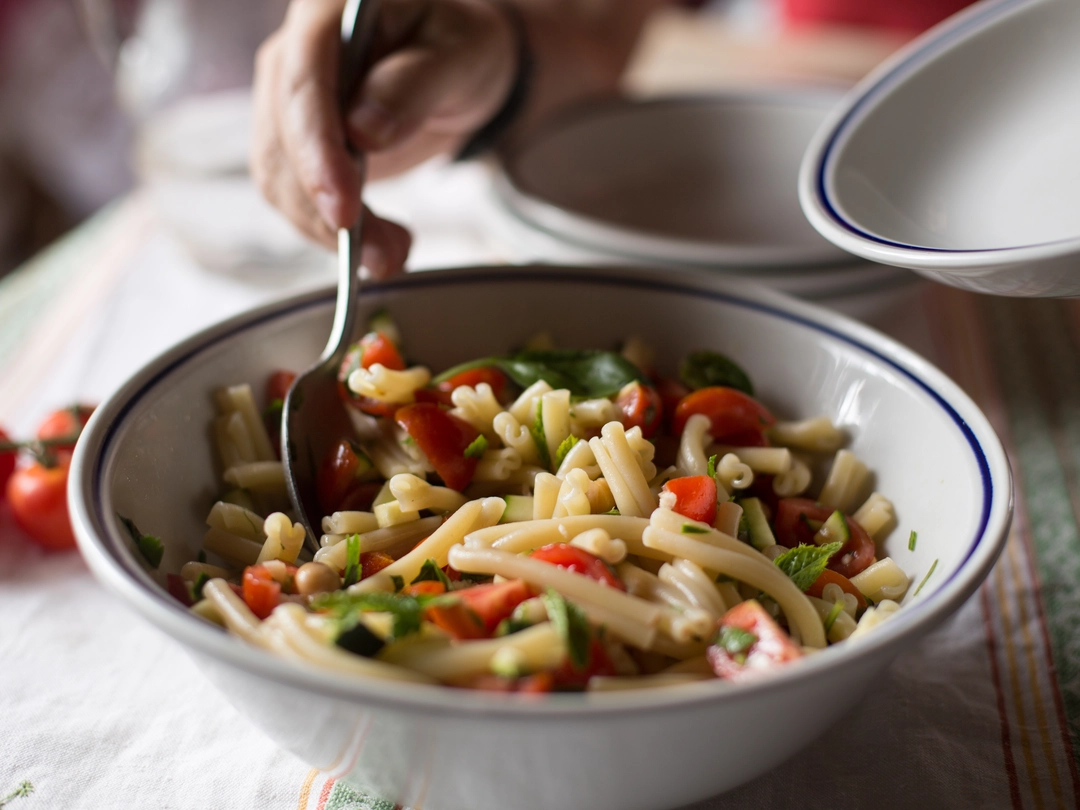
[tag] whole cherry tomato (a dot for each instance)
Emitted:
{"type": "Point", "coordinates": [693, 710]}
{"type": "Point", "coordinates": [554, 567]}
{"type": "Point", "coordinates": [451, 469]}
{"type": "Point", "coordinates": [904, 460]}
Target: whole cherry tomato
{"type": "Point", "coordinates": [38, 497]}
{"type": "Point", "coordinates": [641, 407]}
{"type": "Point", "coordinates": [736, 418]}
{"type": "Point", "coordinates": [579, 561]}
{"type": "Point", "coordinates": [64, 423]}
{"type": "Point", "coordinates": [443, 438]}
{"type": "Point", "coordinates": [340, 474]}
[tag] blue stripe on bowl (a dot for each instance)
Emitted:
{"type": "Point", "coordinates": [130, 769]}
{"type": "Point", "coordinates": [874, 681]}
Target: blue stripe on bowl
{"type": "Point", "coordinates": [122, 556]}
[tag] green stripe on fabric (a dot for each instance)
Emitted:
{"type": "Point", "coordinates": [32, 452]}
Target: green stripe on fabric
{"type": "Point", "coordinates": [343, 797]}
{"type": "Point", "coordinates": [27, 292]}
{"type": "Point", "coordinates": [1038, 367]}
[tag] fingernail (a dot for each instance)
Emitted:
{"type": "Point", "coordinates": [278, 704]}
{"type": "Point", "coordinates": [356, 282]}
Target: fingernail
{"type": "Point", "coordinates": [326, 205]}
{"type": "Point", "coordinates": [372, 123]}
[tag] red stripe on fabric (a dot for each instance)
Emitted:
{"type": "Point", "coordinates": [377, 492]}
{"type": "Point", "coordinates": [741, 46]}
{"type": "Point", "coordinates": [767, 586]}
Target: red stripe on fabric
{"type": "Point", "coordinates": [1006, 740]}
{"type": "Point", "coordinates": [325, 794]}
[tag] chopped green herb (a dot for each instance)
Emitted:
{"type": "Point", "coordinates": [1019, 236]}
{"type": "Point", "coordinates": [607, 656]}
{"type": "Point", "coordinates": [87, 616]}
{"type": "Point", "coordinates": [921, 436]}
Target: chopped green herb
{"type": "Point", "coordinates": [201, 556]}
{"type": "Point", "coordinates": [911, 540]}
{"type": "Point", "coordinates": [346, 607]}
{"type": "Point", "coordinates": [151, 548]}
{"type": "Point", "coordinates": [834, 614]}
{"type": "Point", "coordinates": [804, 564]}
{"type": "Point", "coordinates": [24, 789]}
{"type": "Point", "coordinates": [399, 583]}
{"type": "Point", "coordinates": [573, 627]}
{"type": "Point", "coordinates": [928, 573]}
{"type": "Point", "coordinates": [690, 528]}
{"type": "Point", "coordinates": [710, 470]}
{"type": "Point", "coordinates": [565, 446]}
{"type": "Point", "coordinates": [477, 447]}
{"type": "Point", "coordinates": [613, 511]}
{"type": "Point", "coordinates": [198, 585]}
{"type": "Point", "coordinates": [429, 571]}
{"type": "Point", "coordinates": [539, 436]}
{"type": "Point", "coordinates": [352, 560]}
{"type": "Point", "coordinates": [704, 369]}
{"type": "Point", "coordinates": [734, 640]}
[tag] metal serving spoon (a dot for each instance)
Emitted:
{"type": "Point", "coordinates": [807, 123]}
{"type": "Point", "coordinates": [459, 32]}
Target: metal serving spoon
{"type": "Point", "coordinates": [314, 417]}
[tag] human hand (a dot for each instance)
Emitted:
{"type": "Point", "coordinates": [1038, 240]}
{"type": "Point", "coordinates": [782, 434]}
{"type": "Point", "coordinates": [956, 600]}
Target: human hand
{"type": "Point", "coordinates": [442, 69]}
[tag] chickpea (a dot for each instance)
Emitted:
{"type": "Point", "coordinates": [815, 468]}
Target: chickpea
{"type": "Point", "coordinates": [315, 577]}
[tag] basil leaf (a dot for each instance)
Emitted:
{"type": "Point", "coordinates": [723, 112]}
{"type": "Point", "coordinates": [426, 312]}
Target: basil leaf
{"type": "Point", "coordinates": [804, 564]}
{"type": "Point", "coordinates": [570, 622]}
{"type": "Point", "coordinates": [704, 369]}
{"type": "Point", "coordinates": [463, 367]}
{"type": "Point", "coordinates": [586, 373]}
{"type": "Point", "coordinates": [353, 570]}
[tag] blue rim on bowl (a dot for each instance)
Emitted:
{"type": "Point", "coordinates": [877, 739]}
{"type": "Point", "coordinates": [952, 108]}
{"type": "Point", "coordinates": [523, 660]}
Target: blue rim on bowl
{"type": "Point", "coordinates": [113, 562]}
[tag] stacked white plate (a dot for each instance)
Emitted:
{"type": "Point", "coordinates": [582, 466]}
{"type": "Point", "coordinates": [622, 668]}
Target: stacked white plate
{"type": "Point", "coordinates": [707, 182]}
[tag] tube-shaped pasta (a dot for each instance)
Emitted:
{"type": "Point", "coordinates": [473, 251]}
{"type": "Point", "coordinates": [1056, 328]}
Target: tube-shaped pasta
{"type": "Point", "coordinates": [541, 647]}
{"type": "Point", "coordinates": [477, 406]}
{"type": "Point", "coordinates": [523, 409]}
{"type": "Point", "coordinates": [733, 474]}
{"type": "Point", "coordinates": [555, 415]}
{"type": "Point", "coordinates": [388, 385]}
{"type": "Point", "coordinates": [843, 623]}
{"type": "Point", "coordinates": [695, 438]}
{"type": "Point", "coordinates": [633, 632]}
{"type": "Point", "coordinates": [758, 572]}
{"type": "Point", "coordinates": [229, 517]}
{"type": "Point", "coordinates": [394, 541]}
{"type": "Point", "coordinates": [873, 616]}
{"type": "Point", "coordinates": [232, 610]}
{"type": "Point", "coordinates": [688, 625]}
{"type": "Point", "coordinates": [883, 580]}
{"type": "Point", "coordinates": [229, 453]}
{"type": "Point", "coordinates": [239, 399]}
{"type": "Point", "coordinates": [728, 515]}
{"type": "Point", "coordinates": [648, 586]}
{"type": "Point", "coordinates": [764, 460]}
{"type": "Point", "coordinates": [232, 547]}
{"type": "Point", "coordinates": [261, 476]}
{"type": "Point", "coordinates": [677, 524]}
{"type": "Point", "coordinates": [522, 537]}
{"type": "Point", "coordinates": [237, 431]}
{"type": "Point", "coordinates": [350, 523]}
{"type": "Point", "coordinates": [515, 435]}
{"type": "Point", "coordinates": [415, 494]}
{"type": "Point", "coordinates": [619, 462]}
{"type": "Point", "coordinates": [591, 414]}
{"type": "Point", "coordinates": [793, 482]}
{"type": "Point", "coordinates": [876, 515]}
{"type": "Point", "coordinates": [847, 478]}
{"type": "Point", "coordinates": [645, 451]}
{"type": "Point", "coordinates": [497, 464]}
{"type": "Point", "coordinates": [599, 542]}
{"type": "Point", "coordinates": [470, 517]}
{"type": "Point", "coordinates": [703, 586]}
{"type": "Point", "coordinates": [574, 586]}
{"type": "Point", "coordinates": [284, 539]}
{"type": "Point", "coordinates": [573, 498]}
{"type": "Point", "coordinates": [818, 434]}
{"type": "Point", "coordinates": [191, 571]}
{"type": "Point", "coordinates": [580, 457]}
{"type": "Point", "coordinates": [546, 490]}
{"type": "Point", "coordinates": [391, 457]}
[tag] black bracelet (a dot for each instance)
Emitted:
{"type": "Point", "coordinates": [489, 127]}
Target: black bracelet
{"type": "Point", "coordinates": [486, 137]}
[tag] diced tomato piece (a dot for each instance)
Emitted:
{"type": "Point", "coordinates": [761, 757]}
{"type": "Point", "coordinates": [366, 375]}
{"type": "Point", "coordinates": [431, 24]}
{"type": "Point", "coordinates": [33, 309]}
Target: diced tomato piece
{"type": "Point", "coordinates": [695, 497]}
{"type": "Point", "coordinates": [427, 587]}
{"type": "Point", "coordinates": [830, 577]}
{"type": "Point", "coordinates": [277, 387]}
{"type": "Point", "coordinates": [434, 396]}
{"type": "Point", "coordinates": [456, 619]}
{"type": "Point", "coordinates": [178, 589]}
{"type": "Point", "coordinates": [495, 602]}
{"type": "Point", "coordinates": [372, 562]}
{"type": "Point", "coordinates": [641, 407]}
{"type": "Point", "coordinates": [474, 376]}
{"type": "Point", "coordinates": [339, 472]}
{"type": "Point", "coordinates": [375, 347]}
{"type": "Point", "coordinates": [64, 423]}
{"type": "Point", "coordinates": [444, 439]}
{"type": "Point", "coordinates": [599, 663]}
{"type": "Point", "coordinates": [579, 561]}
{"type": "Point", "coordinates": [261, 592]}
{"type": "Point", "coordinates": [792, 528]}
{"type": "Point", "coordinates": [736, 418]}
{"type": "Point", "coordinates": [768, 645]}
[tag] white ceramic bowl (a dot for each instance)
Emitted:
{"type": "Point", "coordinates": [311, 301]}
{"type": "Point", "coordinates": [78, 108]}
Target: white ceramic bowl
{"type": "Point", "coordinates": [147, 455]}
{"type": "Point", "coordinates": [699, 180]}
{"type": "Point", "coordinates": [958, 158]}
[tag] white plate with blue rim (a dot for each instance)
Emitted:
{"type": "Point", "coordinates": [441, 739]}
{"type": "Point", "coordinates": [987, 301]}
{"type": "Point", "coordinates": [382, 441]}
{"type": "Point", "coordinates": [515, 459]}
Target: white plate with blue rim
{"type": "Point", "coordinates": [959, 157]}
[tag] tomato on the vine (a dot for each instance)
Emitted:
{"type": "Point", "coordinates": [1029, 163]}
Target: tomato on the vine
{"type": "Point", "coordinates": [65, 423]}
{"type": "Point", "coordinates": [38, 497]}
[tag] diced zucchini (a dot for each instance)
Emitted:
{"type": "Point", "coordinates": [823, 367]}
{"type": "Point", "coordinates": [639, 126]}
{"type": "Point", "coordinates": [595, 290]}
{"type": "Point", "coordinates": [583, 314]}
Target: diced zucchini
{"type": "Point", "coordinates": [833, 530]}
{"type": "Point", "coordinates": [391, 514]}
{"type": "Point", "coordinates": [761, 535]}
{"type": "Point", "coordinates": [518, 508]}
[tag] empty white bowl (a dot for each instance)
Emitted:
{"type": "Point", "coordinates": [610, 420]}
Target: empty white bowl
{"type": "Point", "coordinates": [698, 180]}
{"type": "Point", "coordinates": [958, 158]}
{"type": "Point", "coordinates": [147, 455]}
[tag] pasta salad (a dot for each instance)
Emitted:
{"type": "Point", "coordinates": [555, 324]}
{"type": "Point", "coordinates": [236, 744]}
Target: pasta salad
{"type": "Point", "coordinates": [548, 520]}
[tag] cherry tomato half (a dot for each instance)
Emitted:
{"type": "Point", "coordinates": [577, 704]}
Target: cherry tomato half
{"type": "Point", "coordinates": [63, 423]}
{"type": "Point", "coordinates": [736, 418]}
{"type": "Point", "coordinates": [38, 497]}
{"type": "Point", "coordinates": [375, 347]}
{"type": "Point", "coordinates": [792, 529]}
{"type": "Point", "coordinates": [278, 385]}
{"type": "Point", "coordinates": [338, 475]}
{"type": "Point", "coordinates": [355, 359]}
{"type": "Point", "coordinates": [767, 646]}
{"type": "Point", "coordinates": [579, 561]}
{"type": "Point", "coordinates": [641, 407]}
{"type": "Point", "coordinates": [474, 376]}
{"type": "Point", "coordinates": [443, 439]}
{"type": "Point", "coordinates": [695, 497]}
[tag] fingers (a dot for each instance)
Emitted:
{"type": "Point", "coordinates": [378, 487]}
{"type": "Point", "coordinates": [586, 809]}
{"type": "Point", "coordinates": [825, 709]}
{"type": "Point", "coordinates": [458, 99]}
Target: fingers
{"type": "Point", "coordinates": [386, 246]}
